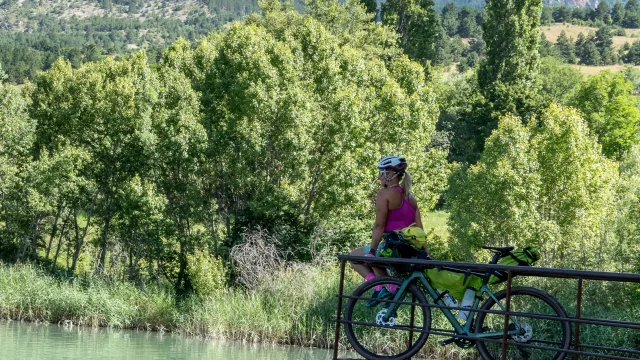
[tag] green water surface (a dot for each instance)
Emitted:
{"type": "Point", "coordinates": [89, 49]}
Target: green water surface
{"type": "Point", "coordinates": [55, 342]}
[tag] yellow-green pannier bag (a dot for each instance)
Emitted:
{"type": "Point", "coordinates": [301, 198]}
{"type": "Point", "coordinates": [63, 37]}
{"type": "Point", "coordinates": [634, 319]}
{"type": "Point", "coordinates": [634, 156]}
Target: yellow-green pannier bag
{"type": "Point", "coordinates": [415, 236]}
{"type": "Point", "coordinates": [455, 282]}
{"type": "Point", "coordinates": [526, 256]}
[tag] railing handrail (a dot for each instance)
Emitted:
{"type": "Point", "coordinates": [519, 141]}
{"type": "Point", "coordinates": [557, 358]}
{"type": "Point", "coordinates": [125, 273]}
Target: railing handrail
{"type": "Point", "coordinates": [516, 270]}
{"type": "Point", "coordinates": [482, 268]}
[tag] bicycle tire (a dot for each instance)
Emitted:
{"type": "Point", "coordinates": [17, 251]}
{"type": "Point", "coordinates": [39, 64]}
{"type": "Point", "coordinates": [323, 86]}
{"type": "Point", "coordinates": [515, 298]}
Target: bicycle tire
{"type": "Point", "coordinates": [378, 343]}
{"type": "Point", "coordinates": [538, 332]}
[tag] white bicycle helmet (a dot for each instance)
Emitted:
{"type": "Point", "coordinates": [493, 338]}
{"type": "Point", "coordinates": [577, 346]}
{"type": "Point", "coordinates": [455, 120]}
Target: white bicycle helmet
{"type": "Point", "coordinates": [397, 164]}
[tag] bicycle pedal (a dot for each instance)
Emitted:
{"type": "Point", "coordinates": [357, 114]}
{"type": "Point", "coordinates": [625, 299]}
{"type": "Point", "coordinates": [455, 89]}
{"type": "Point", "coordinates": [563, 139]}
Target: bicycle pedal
{"type": "Point", "coordinates": [447, 342]}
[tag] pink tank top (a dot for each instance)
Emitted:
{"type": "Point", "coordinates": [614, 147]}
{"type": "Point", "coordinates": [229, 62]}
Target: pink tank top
{"type": "Point", "coordinates": [401, 217]}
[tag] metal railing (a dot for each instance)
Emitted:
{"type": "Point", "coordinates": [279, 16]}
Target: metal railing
{"type": "Point", "coordinates": [577, 349]}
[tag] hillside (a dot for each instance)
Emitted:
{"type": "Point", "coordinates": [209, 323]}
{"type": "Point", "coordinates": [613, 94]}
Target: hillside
{"type": "Point", "coordinates": [33, 34]}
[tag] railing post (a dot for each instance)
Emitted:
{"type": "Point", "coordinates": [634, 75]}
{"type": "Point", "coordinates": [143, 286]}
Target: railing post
{"type": "Point", "coordinates": [578, 311]}
{"type": "Point", "coordinates": [336, 341]}
{"type": "Point", "coordinates": [506, 317]}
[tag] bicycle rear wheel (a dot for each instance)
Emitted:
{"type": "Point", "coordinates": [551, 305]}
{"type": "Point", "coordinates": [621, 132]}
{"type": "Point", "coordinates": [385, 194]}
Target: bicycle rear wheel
{"type": "Point", "coordinates": [553, 334]}
{"type": "Point", "coordinates": [399, 338]}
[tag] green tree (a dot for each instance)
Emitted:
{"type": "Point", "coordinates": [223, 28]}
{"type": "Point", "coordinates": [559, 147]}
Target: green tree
{"type": "Point", "coordinates": [371, 6]}
{"type": "Point", "coordinates": [560, 81]}
{"type": "Point", "coordinates": [627, 217]}
{"type": "Point", "coordinates": [566, 48]}
{"type": "Point", "coordinates": [353, 25]}
{"type": "Point", "coordinates": [632, 14]}
{"type": "Point", "coordinates": [617, 14]}
{"type": "Point", "coordinates": [415, 22]}
{"type": "Point", "coordinates": [633, 56]}
{"type": "Point", "coordinates": [544, 184]}
{"type": "Point", "coordinates": [589, 54]}
{"type": "Point", "coordinates": [15, 157]}
{"type": "Point", "coordinates": [603, 12]}
{"type": "Point", "coordinates": [294, 117]}
{"type": "Point", "coordinates": [611, 112]}
{"type": "Point", "coordinates": [604, 43]}
{"type": "Point", "coordinates": [450, 20]}
{"type": "Point", "coordinates": [484, 198]}
{"type": "Point", "coordinates": [507, 76]}
{"type": "Point", "coordinates": [561, 14]}
{"type": "Point", "coordinates": [546, 48]}
{"type": "Point", "coordinates": [468, 27]}
{"type": "Point", "coordinates": [546, 17]}
{"type": "Point", "coordinates": [108, 115]}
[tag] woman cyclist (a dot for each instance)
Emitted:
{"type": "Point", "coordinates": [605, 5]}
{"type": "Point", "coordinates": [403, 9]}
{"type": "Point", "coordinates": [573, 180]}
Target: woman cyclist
{"type": "Point", "coordinates": [396, 208]}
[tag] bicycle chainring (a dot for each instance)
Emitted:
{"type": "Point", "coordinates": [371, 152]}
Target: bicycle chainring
{"type": "Point", "coordinates": [380, 317]}
{"type": "Point", "coordinates": [465, 343]}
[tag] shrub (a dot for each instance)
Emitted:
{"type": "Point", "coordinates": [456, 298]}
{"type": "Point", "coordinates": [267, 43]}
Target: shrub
{"type": "Point", "coordinates": [207, 273]}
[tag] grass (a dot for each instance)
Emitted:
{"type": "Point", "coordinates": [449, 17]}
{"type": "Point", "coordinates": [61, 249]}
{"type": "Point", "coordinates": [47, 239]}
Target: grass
{"type": "Point", "coordinates": [436, 220]}
{"type": "Point", "coordinates": [595, 70]}
{"type": "Point", "coordinates": [294, 306]}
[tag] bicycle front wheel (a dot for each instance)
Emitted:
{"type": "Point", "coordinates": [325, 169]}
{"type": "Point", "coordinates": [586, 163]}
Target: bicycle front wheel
{"type": "Point", "coordinates": [529, 333]}
{"type": "Point", "coordinates": [398, 338]}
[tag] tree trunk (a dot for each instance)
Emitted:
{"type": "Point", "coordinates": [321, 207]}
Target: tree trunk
{"type": "Point", "coordinates": [64, 228]}
{"type": "Point", "coordinates": [6, 216]}
{"type": "Point", "coordinates": [25, 242]}
{"type": "Point", "coordinates": [213, 232]}
{"type": "Point", "coordinates": [54, 230]}
{"type": "Point", "coordinates": [103, 245]}
{"type": "Point", "coordinates": [34, 239]}
{"type": "Point", "coordinates": [79, 240]}
{"type": "Point", "coordinates": [181, 281]}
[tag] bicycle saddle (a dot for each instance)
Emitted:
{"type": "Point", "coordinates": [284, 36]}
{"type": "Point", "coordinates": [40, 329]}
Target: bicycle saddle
{"type": "Point", "coordinates": [500, 250]}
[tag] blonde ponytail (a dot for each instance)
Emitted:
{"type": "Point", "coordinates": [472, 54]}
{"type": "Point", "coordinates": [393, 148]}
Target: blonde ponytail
{"type": "Point", "coordinates": [406, 185]}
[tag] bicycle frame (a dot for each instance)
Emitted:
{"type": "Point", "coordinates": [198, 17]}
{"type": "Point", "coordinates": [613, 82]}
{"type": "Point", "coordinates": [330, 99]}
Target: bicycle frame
{"type": "Point", "coordinates": [464, 330]}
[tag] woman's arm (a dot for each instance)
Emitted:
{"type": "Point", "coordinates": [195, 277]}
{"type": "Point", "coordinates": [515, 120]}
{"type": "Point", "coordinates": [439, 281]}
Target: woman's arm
{"type": "Point", "coordinates": [382, 208]}
{"type": "Point", "coordinates": [418, 219]}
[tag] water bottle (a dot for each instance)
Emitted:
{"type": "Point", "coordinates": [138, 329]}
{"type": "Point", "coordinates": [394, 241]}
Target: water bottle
{"type": "Point", "coordinates": [467, 302]}
{"type": "Point", "coordinates": [448, 299]}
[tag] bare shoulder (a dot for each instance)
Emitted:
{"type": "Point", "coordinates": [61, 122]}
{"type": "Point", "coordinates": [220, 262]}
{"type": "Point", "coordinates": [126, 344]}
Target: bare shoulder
{"type": "Point", "coordinates": [413, 201]}
{"type": "Point", "coordinates": [384, 194]}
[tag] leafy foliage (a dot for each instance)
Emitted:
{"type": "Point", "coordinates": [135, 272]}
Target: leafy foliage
{"type": "Point", "coordinates": [544, 184]}
{"type": "Point", "coordinates": [611, 111]}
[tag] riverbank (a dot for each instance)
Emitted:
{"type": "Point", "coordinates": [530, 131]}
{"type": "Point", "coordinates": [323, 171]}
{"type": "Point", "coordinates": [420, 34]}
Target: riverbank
{"type": "Point", "coordinates": [296, 306]}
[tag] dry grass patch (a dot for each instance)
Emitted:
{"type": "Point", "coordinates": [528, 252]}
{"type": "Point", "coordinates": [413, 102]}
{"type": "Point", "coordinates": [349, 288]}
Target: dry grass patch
{"type": "Point", "coordinates": [551, 32]}
{"type": "Point", "coordinates": [595, 70]}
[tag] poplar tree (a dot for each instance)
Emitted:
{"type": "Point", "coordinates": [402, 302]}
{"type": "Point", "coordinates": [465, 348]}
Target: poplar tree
{"type": "Point", "coordinates": [507, 76]}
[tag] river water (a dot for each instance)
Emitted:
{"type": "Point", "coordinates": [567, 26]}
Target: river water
{"type": "Point", "coordinates": [54, 342]}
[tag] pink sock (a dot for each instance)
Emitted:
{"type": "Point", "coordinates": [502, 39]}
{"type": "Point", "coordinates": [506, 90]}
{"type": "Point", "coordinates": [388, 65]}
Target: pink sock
{"type": "Point", "coordinates": [392, 287]}
{"type": "Point", "coordinates": [373, 276]}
